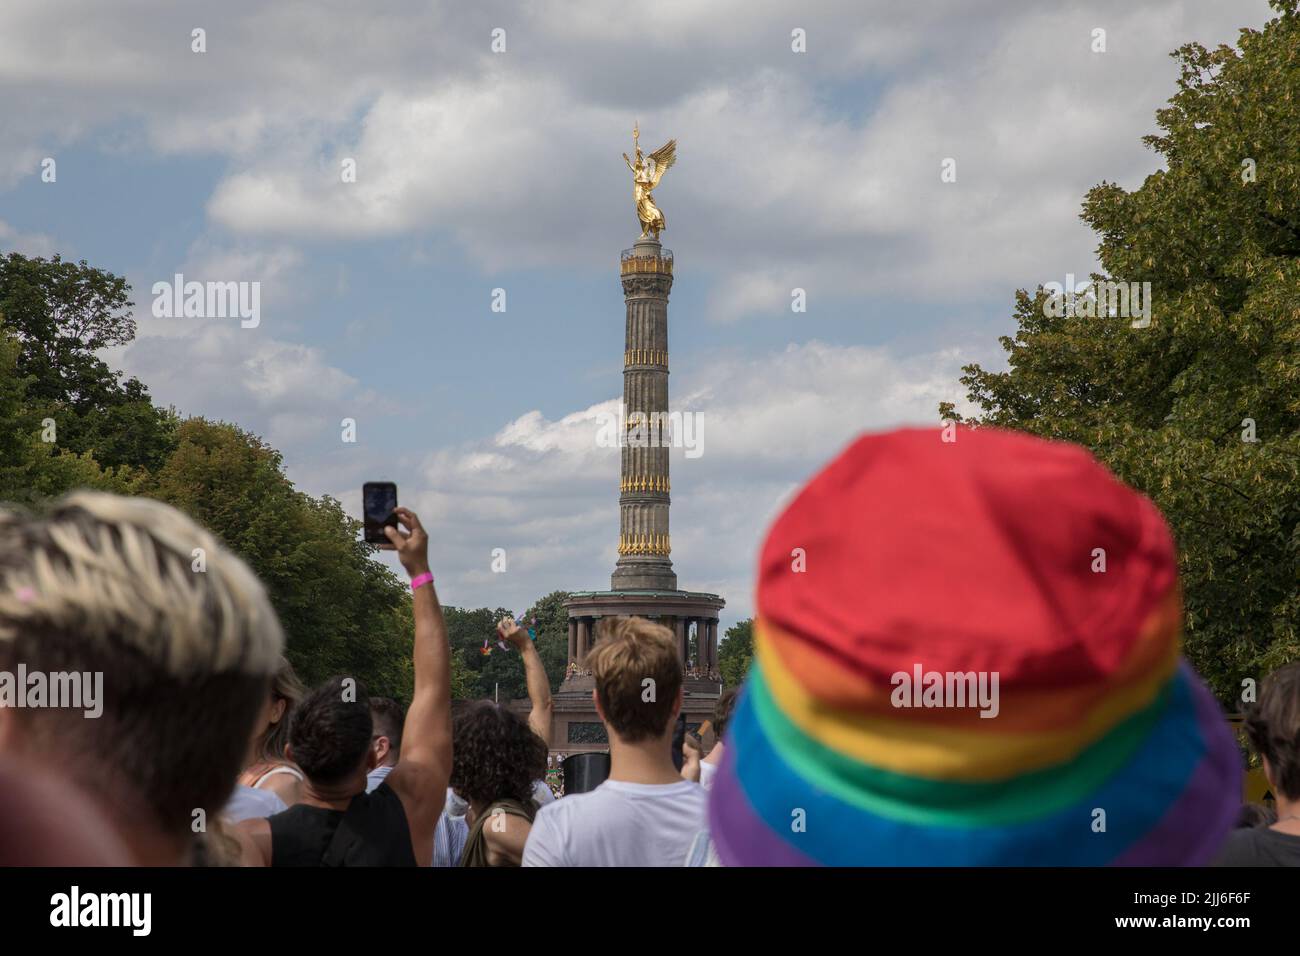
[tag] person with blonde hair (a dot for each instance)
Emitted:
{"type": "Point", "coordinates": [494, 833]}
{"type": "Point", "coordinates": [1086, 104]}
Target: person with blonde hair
{"type": "Point", "coordinates": [168, 639]}
{"type": "Point", "coordinates": [269, 769]}
{"type": "Point", "coordinates": [644, 814]}
{"type": "Point", "coordinates": [270, 781]}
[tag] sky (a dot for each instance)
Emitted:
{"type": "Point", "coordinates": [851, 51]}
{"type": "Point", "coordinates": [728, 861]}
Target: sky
{"type": "Point", "coordinates": [487, 142]}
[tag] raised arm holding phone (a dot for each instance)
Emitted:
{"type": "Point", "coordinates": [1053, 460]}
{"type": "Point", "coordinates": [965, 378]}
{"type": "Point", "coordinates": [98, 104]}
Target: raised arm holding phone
{"type": "Point", "coordinates": [337, 823]}
{"type": "Point", "coordinates": [424, 766]}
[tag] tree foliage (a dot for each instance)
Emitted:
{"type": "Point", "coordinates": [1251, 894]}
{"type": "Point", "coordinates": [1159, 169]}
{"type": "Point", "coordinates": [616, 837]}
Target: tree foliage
{"type": "Point", "coordinates": [735, 652]}
{"type": "Point", "coordinates": [71, 422]}
{"type": "Point", "coordinates": [342, 611]}
{"type": "Point", "coordinates": [62, 315]}
{"type": "Point", "coordinates": [1173, 408]}
{"type": "Point", "coordinates": [500, 673]}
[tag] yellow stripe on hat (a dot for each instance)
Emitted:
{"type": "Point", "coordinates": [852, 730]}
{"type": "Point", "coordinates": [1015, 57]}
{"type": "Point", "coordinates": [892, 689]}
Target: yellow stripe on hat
{"type": "Point", "coordinates": [925, 749]}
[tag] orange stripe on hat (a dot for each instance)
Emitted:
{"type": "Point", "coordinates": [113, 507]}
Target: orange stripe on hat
{"type": "Point", "coordinates": [1021, 708]}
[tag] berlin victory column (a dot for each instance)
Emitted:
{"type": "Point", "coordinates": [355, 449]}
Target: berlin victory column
{"type": "Point", "coordinates": [643, 582]}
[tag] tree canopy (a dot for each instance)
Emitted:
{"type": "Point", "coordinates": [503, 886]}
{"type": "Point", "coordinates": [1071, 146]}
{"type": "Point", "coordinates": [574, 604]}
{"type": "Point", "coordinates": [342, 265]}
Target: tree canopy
{"type": "Point", "coordinates": [501, 672]}
{"type": "Point", "coordinates": [735, 652]}
{"type": "Point", "coordinates": [62, 314]}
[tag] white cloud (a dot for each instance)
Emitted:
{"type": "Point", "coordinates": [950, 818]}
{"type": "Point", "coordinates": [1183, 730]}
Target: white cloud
{"type": "Point", "coordinates": [26, 243]}
{"type": "Point", "coordinates": [817, 169]}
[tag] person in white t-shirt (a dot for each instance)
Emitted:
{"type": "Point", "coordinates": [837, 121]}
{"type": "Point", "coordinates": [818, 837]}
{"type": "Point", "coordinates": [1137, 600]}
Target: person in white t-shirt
{"type": "Point", "coordinates": [645, 814]}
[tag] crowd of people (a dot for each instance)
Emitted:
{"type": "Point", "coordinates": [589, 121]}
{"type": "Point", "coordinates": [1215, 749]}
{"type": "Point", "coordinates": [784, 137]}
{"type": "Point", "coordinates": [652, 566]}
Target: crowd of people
{"type": "Point", "coordinates": [696, 673]}
{"type": "Point", "coordinates": [906, 555]}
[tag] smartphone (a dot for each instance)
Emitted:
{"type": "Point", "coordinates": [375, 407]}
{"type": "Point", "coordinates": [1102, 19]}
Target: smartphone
{"type": "Point", "coordinates": [378, 501]}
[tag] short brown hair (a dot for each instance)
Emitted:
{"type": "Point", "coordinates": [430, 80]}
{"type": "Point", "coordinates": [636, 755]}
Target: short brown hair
{"type": "Point", "coordinates": [1274, 728]}
{"type": "Point", "coordinates": [389, 718]}
{"type": "Point", "coordinates": [628, 650]}
{"type": "Point", "coordinates": [722, 711]}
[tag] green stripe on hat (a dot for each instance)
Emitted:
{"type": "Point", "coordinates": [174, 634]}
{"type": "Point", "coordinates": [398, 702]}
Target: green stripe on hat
{"type": "Point", "coordinates": [927, 802]}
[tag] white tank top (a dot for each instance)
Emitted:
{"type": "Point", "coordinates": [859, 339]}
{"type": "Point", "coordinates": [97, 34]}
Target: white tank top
{"type": "Point", "coordinates": [282, 768]}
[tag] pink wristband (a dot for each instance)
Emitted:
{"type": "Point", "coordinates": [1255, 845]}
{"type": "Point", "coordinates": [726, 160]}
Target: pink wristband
{"type": "Point", "coordinates": [422, 580]}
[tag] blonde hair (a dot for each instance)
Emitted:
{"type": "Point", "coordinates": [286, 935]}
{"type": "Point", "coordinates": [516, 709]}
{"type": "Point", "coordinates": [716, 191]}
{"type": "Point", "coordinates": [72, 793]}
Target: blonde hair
{"type": "Point", "coordinates": [140, 572]}
{"type": "Point", "coordinates": [180, 629]}
{"type": "Point", "coordinates": [285, 686]}
{"type": "Point", "coordinates": [628, 651]}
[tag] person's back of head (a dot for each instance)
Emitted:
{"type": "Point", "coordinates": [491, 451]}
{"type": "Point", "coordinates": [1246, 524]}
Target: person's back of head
{"type": "Point", "coordinates": [638, 678]}
{"type": "Point", "coordinates": [329, 738]}
{"type": "Point", "coordinates": [388, 717]}
{"type": "Point", "coordinates": [107, 594]}
{"type": "Point", "coordinates": [722, 711]}
{"type": "Point", "coordinates": [495, 755]}
{"type": "Point", "coordinates": [1273, 726]}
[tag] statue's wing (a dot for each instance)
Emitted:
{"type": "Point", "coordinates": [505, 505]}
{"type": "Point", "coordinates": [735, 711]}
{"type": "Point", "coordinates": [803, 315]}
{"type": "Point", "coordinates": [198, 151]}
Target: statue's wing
{"type": "Point", "coordinates": [664, 158]}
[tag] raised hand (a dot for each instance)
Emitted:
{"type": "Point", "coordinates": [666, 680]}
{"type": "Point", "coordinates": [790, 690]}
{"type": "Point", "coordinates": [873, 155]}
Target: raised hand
{"type": "Point", "coordinates": [412, 546]}
{"type": "Point", "coordinates": [512, 632]}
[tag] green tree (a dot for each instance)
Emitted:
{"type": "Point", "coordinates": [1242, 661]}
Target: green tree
{"type": "Point", "coordinates": [32, 469]}
{"type": "Point", "coordinates": [735, 652]}
{"type": "Point", "coordinates": [63, 314]}
{"type": "Point", "coordinates": [1201, 410]}
{"type": "Point", "coordinates": [500, 672]}
{"type": "Point", "coordinates": [467, 629]}
{"type": "Point", "coordinates": [19, 425]}
{"type": "Point", "coordinates": [552, 634]}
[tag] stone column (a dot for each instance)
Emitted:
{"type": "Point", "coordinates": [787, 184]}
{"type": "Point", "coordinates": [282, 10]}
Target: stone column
{"type": "Point", "coordinates": [573, 640]}
{"type": "Point", "coordinates": [584, 639]}
{"type": "Point", "coordinates": [679, 629]}
{"type": "Point", "coordinates": [646, 271]}
{"type": "Point", "coordinates": [713, 645]}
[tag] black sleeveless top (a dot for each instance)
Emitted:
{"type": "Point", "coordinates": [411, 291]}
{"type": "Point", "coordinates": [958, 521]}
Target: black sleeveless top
{"type": "Point", "coordinates": [372, 832]}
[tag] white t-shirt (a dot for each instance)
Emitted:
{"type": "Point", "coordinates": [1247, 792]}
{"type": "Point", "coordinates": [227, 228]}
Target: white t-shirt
{"type": "Point", "coordinates": [618, 824]}
{"type": "Point", "coordinates": [707, 770]}
{"type": "Point", "coordinates": [247, 804]}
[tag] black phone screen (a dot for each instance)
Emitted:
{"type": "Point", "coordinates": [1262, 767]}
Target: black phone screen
{"type": "Point", "coordinates": [378, 499]}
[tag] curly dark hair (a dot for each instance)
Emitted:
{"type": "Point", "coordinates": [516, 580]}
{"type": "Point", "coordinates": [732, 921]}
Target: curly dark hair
{"type": "Point", "coordinates": [496, 755]}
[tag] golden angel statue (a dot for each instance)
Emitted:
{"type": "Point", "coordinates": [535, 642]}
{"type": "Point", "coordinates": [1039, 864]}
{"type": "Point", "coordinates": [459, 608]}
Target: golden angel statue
{"type": "Point", "coordinates": [646, 173]}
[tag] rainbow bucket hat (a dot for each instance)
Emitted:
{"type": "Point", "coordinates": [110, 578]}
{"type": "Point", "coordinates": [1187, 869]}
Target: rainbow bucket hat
{"type": "Point", "coordinates": [967, 653]}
